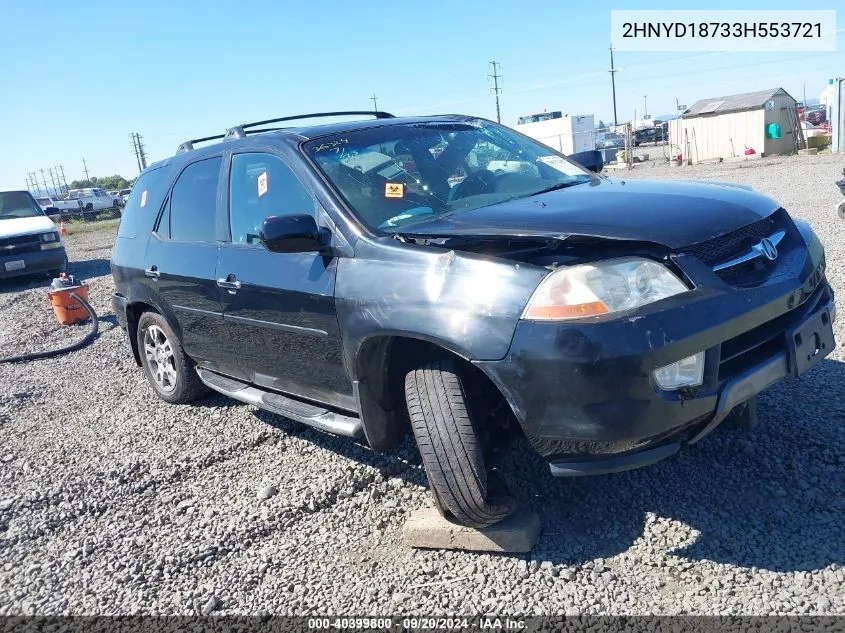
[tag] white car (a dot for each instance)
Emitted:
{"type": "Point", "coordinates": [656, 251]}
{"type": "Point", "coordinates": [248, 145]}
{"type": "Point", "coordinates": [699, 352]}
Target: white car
{"type": "Point", "coordinates": [51, 206]}
{"type": "Point", "coordinates": [124, 196]}
{"type": "Point", "coordinates": [93, 199]}
{"type": "Point", "coordinates": [503, 163]}
{"type": "Point", "coordinates": [29, 241]}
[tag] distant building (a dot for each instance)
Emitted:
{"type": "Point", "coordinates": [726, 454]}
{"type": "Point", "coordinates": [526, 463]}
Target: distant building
{"type": "Point", "coordinates": [722, 127]}
{"type": "Point", "coordinates": [567, 134]}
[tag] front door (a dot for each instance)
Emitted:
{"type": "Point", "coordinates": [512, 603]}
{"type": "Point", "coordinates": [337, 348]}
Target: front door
{"type": "Point", "coordinates": [279, 307]}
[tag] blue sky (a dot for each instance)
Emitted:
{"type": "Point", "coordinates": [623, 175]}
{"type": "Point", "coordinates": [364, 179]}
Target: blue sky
{"type": "Point", "coordinates": [82, 76]}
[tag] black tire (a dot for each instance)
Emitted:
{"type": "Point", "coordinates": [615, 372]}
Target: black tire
{"type": "Point", "coordinates": [449, 446]}
{"type": "Point", "coordinates": [183, 384]}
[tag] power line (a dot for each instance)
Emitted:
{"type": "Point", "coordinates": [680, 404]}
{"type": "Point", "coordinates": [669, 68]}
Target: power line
{"type": "Point", "coordinates": [613, 86]}
{"type": "Point", "coordinates": [375, 103]}
{"type": "Point", "coordinates": [496, 90]}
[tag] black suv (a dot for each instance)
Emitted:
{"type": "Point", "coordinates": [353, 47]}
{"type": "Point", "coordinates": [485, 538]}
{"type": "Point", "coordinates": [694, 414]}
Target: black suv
{"type": "Point", "coordinates": [373, 276]}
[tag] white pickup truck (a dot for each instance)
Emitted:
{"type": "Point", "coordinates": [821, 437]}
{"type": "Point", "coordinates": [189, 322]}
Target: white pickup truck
{"type": "Point", "coordinates": [57, 206]}
{"type": "Point", "coordinates": [93, 200]}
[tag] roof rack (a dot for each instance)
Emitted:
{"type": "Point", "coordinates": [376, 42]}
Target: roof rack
{"type": "Point", "coordinates": [239, 131]}
{"type": "Point", "coordinates": [187, 146]}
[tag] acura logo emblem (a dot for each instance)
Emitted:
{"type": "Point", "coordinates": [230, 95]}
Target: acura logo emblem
{"type": "Point", "coordinates": [767, 249]}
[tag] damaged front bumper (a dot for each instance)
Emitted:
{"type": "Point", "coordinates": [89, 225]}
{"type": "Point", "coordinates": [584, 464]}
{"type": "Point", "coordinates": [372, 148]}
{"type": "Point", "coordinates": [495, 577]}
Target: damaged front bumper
{"type": "Point", "coordinates": [585, 396]}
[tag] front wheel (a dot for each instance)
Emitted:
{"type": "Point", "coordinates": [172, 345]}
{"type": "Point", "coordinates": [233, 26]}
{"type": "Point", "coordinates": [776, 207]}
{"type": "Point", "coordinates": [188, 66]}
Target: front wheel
{"type": "Point", "coordinates": [449, 446]}
{"type": "Point", "coordinates": [169, 370]}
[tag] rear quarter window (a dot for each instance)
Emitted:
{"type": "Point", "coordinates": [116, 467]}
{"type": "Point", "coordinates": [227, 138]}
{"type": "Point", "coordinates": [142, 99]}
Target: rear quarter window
{"type": "Point", "coordinates": [144, 202]}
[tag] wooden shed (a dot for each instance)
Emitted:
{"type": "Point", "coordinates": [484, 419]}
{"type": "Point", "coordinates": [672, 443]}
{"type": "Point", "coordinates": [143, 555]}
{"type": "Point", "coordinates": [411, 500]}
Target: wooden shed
{"type": "Point", "coordinates": [724, 127]}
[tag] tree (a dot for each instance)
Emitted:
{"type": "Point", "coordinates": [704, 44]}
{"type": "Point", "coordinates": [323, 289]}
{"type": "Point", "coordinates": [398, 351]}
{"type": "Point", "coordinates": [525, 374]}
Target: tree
{"type": "Point", "coordinates": [109, 183]}
{"type": "Point", "coordinates": [601, 124]}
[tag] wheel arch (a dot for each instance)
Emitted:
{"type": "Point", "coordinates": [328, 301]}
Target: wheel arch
{"type": "Point", "coordinates": [380, 367]}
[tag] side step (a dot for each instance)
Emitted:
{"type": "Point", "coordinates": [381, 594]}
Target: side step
{"type": "Point", "coordinates": [304, 412]}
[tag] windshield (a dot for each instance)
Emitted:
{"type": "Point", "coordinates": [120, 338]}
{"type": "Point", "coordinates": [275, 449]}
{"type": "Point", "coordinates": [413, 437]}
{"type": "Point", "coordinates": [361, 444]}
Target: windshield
{"type": "Point", "coordinates": [398, 175]}
{"type": "Point", "coordinates": [44, 202]}
{"type": "Point", "coordinates": [18, 204]}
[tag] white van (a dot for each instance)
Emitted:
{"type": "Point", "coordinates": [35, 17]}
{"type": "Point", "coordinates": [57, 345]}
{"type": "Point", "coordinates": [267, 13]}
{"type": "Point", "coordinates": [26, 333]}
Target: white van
{"type": "Point", "coordinates": [29, 240]}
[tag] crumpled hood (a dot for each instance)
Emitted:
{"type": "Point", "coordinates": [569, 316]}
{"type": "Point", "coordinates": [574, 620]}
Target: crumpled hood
{"type": "Point", "coordinates": [671, 213]}
{"type": "Point", "coordinates": [25, 226]}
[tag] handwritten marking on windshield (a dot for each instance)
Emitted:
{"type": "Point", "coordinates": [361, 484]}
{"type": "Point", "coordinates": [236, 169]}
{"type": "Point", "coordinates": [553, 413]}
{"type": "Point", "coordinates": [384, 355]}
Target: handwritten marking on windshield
{"type": "Point", "coordinates": [334, 145]}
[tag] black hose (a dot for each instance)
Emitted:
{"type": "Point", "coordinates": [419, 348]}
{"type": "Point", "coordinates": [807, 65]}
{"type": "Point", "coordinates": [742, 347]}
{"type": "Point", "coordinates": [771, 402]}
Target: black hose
{"type": "Point", "coordinates": [95, 327]}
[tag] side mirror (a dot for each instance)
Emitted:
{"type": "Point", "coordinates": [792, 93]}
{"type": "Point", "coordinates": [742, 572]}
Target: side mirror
{"type": "Point", "coordinates": [591, 160]}
{"type": "Point", "coordinates": [291, 234]}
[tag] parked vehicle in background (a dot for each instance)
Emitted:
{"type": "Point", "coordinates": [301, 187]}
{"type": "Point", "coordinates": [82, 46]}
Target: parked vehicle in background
{"type": "Point", "coordinates": [657, 133]}
{"type": "Point", "coordinates": [816, 115]}
{"type": "Point", "coordinates": [29, 241]}
{"type": "Point", "coordinates": [93, 200]}
{"type": "Point", "coordinates": [609, 140]}
{"type": "Point", "coordinates": [610, 322]}
{"type": "Point", "coordinates": [54, 206]}
{"type": "Point", "coordinates": [124, 196]}
{"type": "Point", "coordinates": [505, 162]}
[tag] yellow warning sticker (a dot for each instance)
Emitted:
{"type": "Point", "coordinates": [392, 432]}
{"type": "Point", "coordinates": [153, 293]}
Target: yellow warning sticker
{"type": "Point", "coordinates": [143, 198]}
{"type": "Point", "coordinates": [394, 190]}
{"type": "Point", "coordinates": [262, 183]}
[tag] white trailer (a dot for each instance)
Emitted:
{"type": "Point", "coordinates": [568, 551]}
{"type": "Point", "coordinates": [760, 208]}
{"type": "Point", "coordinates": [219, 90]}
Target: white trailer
{"type": "Point", "coordinates": [567, 134]}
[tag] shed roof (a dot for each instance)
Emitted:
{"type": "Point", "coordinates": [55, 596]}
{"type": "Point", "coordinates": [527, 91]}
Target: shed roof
{"type": "Point", "coordinates": [732, 103]}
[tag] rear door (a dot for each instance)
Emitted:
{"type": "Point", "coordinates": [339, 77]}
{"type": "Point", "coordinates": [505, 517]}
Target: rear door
{"type": "Point", "coordinates": [180, 263]}
{"type": "Point", "coordinates": [279, 306]}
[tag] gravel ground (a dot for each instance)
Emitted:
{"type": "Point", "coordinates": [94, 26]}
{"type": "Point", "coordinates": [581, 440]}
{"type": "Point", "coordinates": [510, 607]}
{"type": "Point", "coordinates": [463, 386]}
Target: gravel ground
{"type": "Point", "coordinates": [113, 502]}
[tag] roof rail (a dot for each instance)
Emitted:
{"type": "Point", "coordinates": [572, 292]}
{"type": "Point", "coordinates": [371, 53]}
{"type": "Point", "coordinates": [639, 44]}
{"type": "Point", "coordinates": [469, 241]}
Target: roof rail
{"type": "Point", "coordinates": [376, 113]}
{"type": "Point", "coordinates": [238, 131]}
{"type": "Point", "coordinates": [187, 146]}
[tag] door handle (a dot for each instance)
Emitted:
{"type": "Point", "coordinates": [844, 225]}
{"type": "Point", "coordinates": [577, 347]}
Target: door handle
{"type": "Point", "coordinates": [152, 272]}
{"type": "Point", "coordinates": [230, 283]}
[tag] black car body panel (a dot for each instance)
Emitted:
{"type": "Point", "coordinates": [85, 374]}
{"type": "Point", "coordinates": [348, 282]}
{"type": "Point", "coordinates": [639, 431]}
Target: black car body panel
{"type": "Point", "coordinates": [305, 323]}
{"type": "Point", "coordinates": [673, 214]}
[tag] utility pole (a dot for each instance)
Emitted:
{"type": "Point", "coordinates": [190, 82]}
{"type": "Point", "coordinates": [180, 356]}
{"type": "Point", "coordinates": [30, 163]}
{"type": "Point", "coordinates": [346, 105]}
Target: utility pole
{"type": "Point", "coordinates": [613, 85]}
{"type": "Point", "coordinates": [44, 180]}
{"type": "Point", "coordinates": [375, 103]}
{"type": "Point", "coordinates": [496, 90]}
{"type": "Point", "coordinates": [64, 180]}
{"type": "Point", "coordinates": [645, 106]}
{"type": "Point", "coordinates": [805, 95]}
{"type": "Point", "coordinates": [34, 182]}
{"type": "Point", "coordinates": [52, 179]}
{"type": "Point", "coordinates": [140, 155]}
{"type": "Point", "coordinates": [135, 151]}
{"type": "Point", "coordinates": [85, 167]}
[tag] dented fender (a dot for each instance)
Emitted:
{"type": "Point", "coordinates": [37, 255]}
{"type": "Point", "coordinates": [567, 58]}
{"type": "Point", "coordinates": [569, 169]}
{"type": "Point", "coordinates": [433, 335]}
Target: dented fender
{"type": "Point", "coordinates": [464, 302]}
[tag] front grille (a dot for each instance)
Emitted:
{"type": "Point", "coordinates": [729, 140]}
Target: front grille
{"type": "Point", "coordinates": [19, 245]}
{"type": "Point", "coordinates": [719, 249]}
{"type": "Point", "coordinates": [737, 243]}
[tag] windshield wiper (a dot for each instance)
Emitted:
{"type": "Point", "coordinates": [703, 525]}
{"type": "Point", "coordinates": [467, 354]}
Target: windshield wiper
{"type": "Point", "coordinates": [554, 187]}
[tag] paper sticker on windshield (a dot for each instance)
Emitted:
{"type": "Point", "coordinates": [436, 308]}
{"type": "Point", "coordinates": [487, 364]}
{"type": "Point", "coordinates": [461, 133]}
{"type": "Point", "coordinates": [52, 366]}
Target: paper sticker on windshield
{"type": "Point", "coordinates": [262, 183]}
{"type": "Point", "coordinates": [561, 165]}
{"type": "Point", "coordinates": [394, 190]}
{"type": "Point", "coordinates": [143, 198]}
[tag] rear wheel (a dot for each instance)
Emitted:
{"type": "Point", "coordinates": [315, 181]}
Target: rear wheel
{"type": "Point", "coordinates": [169, 370]}
{"type": "Point", "coordinates": [449, 446]}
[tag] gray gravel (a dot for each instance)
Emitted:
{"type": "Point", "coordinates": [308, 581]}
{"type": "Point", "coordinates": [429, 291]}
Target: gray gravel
{"type": "Point", "coordinates": [113, 502]}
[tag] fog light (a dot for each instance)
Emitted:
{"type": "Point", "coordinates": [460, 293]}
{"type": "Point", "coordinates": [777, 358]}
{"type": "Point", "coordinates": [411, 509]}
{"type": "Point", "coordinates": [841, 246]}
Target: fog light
{"type": "Point", "coordinates": [687, 372]}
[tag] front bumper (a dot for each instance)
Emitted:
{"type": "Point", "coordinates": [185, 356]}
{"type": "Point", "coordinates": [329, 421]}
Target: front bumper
{"type": "Point", "coordinates": [35, 262]}
{"type": "Point", "coordinates": [584, 394]}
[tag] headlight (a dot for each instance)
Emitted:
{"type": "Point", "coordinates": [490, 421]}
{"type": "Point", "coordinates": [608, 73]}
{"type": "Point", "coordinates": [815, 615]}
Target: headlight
{"type": "Point", "coordinates": [50, 240]}
{"type": "Point", "coordinates": [688, 372]}
{"type": "Point", "coordinates": [601, 288]}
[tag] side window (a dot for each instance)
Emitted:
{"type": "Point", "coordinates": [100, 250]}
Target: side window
{"type": "Point", "coordinates": [262, 185]}
{"type": "Point", "coordinates": [144, 203]}
{"type": "Point", "coordinates": [193, 202]}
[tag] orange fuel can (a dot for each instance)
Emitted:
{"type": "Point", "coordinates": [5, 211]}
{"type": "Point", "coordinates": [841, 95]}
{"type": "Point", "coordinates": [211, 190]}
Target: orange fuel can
{"type": "Point", "coordinates": [68, 310]}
